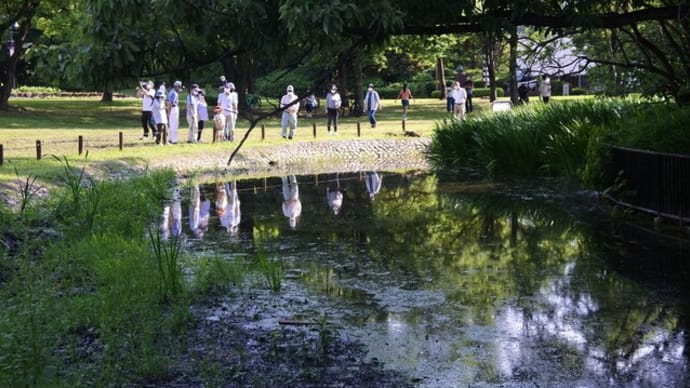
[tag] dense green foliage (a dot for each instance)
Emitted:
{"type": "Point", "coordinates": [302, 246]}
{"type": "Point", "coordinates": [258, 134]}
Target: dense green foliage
{"type": "Point", "coordinates": [565, 139]}
{"type": "Point", "coordinates": [91, 294]}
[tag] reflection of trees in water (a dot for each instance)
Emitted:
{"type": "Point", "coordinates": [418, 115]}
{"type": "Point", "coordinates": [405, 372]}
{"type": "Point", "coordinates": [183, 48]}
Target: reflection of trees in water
{"type": "Point", "coordinates": [506, 260]}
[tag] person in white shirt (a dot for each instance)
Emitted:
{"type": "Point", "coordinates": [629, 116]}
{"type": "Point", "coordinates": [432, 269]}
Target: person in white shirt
{"type": "Point", "coordinates": [289, 112]}
{"type": "Point", "coordinates": [228, 101]}
{"type": "Point", "coordinates": [192, 112]}
{"type": "Point", "coordinates": [333, 104]}
{"type": "Point", "coordinates": [372, 103]}
{"type": "Point", "coordinates": [174, 111]}
{"type": "Point", "coordinates": [545, 89]}
{"type": "Point", "coordinates": [160, 116]}
{"type": "Point", "coordinates": [292, 206]}
{"type": "Point", "coordinates": [459, 96]}
{"type": "Point", "coordinates": [147, 94]}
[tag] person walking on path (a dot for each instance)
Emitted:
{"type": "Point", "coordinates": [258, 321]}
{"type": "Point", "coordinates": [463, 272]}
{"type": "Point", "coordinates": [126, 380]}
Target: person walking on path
{"type": "Point", "coordinates": [405, 95]}
{"type": "Point", "coordinates": [459, 95]}
{"type": "Point", "coordinates": [372, 103]}
{"type": "Point", "coordinates": [174, 111]}
{"type": "Point", "coordinates": [545, 89]}
{"type": "Point", "coordinates": [290, 109]}
{"type": "Point", "coordinates": [333, 103]}
{"type": "Point", "coordinates": [203, 113]}
{"type": "Point", "coordinates": [147, 95]}
{"type": "Point", "coordinates": [192, 113]}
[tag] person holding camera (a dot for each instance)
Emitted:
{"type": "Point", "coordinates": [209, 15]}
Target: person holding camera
{"type": "Point", "coordinates": [193, 113]}
{"type": "Point", "coordinates": [146, 93]}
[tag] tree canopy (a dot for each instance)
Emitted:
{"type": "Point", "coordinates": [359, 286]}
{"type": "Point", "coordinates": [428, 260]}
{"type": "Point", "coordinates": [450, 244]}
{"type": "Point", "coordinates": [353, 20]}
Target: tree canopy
{"type": "Point", "coordinates": [105, 45]}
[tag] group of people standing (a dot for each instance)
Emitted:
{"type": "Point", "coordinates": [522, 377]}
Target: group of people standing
{"type": "Point", "coordinates": [160, 112]}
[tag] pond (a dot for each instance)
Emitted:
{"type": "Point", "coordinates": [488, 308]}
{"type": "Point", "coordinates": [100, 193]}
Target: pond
{"type": "Point", "coordinates": [457, 283]}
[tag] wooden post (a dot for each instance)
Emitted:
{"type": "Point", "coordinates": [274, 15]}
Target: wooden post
{"type": "Point", "coordinates": [80, 141]}
{"type": "Point", "coordinates": [265, 182]}
{"type": "Point", "coordinates": [403, 125]}
{"type": "Point", "coordinates": [316, 178]}
{"type": "Point", "coordinates": [121, 141]}
{"type": "Point", "coordinates": [314, 125]}
{"type": "Point", "coordinates": [358, 129]}
{"type": "Point", "coordinates": [38, 150]}
{"type": "Point", "coordinates": [263, 132]}
{"type": "Point", "coordinates": [2, 155]}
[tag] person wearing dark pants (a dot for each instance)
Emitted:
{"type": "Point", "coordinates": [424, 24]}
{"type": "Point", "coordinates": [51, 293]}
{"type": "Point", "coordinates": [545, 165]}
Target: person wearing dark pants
{"type": "Point", "coordinates": [372, 103]}
{"type": "Point", "coordinates": [147, 94]}
{"type": "Point", "coordinates": [333, 103]}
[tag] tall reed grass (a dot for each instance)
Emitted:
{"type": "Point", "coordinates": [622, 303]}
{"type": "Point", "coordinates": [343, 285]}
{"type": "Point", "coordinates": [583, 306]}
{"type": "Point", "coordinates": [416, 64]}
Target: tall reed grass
{"type": "Point", "coordinates": [88, 298]}
{"type": "Point", "coordinates": [565, 139]}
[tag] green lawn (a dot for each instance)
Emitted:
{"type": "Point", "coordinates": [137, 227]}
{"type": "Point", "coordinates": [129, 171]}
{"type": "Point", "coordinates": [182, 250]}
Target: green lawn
{"type": "Point", "coordinates": [58, 122]}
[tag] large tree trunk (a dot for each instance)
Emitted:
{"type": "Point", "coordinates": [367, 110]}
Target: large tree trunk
{"type": "Point", "coordinates": [512, 65]}
{"type": "Point", "coordinates": [26, 11]}
{"type": "Point", "coordinates": [491, 67]}
{"type": "Point", "coordinates": [342, 87]}
{"type": "Point", "coordinates": [107, 96]}
{"type": "Point", "coordinates": [357, 90]}
{"type": "Point", "coordinates": [237, 69]}
{"type": "Point", "coordinates": [441, 77]}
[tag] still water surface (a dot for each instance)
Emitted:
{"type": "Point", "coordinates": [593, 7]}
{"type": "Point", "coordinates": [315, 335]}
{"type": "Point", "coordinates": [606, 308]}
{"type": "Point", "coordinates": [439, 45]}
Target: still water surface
{"type": "Point", "coordinates": [461, 284]}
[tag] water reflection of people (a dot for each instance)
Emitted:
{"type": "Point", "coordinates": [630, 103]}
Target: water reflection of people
{"type": "Point", "coordinates": [373, 182]}
{"type": "Point", "coordinates": [228, 206]}
{"type": "Point", "coordinates": [199, 208]}
{"type": "Point", "coordinates": [171, 223]}
{"type": "Point", "coordinates": [292, 206]}
{"type": "Point", "coordinates": [334, 195]}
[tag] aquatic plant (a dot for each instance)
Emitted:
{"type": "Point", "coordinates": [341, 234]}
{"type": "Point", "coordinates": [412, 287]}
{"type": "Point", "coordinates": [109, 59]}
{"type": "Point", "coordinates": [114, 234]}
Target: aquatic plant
{"type": "Point", "coordinates": [326, 332]}
{"type": "Point", "coordinates": [271, 269]}
{"type": "Point", "coordinates": [166, 255]}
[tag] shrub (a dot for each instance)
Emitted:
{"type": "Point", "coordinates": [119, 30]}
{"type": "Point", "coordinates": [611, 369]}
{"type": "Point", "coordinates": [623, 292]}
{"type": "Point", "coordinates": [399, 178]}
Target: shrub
{"type": "Point", "coordinates": [484, 92]}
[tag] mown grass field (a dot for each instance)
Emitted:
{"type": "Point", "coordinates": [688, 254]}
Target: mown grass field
{"type": "Point", "coordinates": [58, 122]}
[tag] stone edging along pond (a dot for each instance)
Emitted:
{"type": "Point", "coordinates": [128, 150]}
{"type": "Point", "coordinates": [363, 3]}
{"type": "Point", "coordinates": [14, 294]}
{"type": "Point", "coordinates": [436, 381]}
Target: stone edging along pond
{"type": "Point", "coordinates": [307, 158]}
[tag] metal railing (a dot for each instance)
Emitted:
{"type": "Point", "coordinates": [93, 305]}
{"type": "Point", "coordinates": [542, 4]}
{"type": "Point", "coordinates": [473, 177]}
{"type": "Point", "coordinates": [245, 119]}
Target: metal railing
{"type": "Point", "coordinates": [654, 182]}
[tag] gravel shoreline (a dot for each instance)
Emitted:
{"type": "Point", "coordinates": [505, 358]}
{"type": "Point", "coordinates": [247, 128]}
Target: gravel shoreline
{"type": "Point", "coordinates": [308, 157]}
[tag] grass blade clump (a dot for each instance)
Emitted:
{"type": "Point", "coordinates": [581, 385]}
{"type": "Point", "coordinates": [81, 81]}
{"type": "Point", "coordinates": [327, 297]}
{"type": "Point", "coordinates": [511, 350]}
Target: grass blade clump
{"type": "Point", "coordinates": [535, 140]}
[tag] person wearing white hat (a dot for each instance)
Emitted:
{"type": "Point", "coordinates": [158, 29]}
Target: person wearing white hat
{"type": "Point", "coordinates": [174, 111]}
{"type": "Point", "coordinates": [290, 105]}
{"type": "Point", "coordinates": [147, 94]}
{"type": "Point", "coordinates": [333, 103]}
{"type": "Point", "coordinates": [372, 103]}
{"type": "Point", "coordinates": [228, 101]}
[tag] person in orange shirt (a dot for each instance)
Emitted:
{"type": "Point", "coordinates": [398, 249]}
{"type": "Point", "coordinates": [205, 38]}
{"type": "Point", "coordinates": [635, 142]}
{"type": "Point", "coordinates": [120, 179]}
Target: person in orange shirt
{"type": "Point", "coordinates": [405, 95]}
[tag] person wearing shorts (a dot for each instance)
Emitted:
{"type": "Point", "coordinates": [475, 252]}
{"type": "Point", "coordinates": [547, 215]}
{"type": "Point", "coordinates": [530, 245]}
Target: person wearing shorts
{"type": "Point", "coordinates": [405, 95]}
